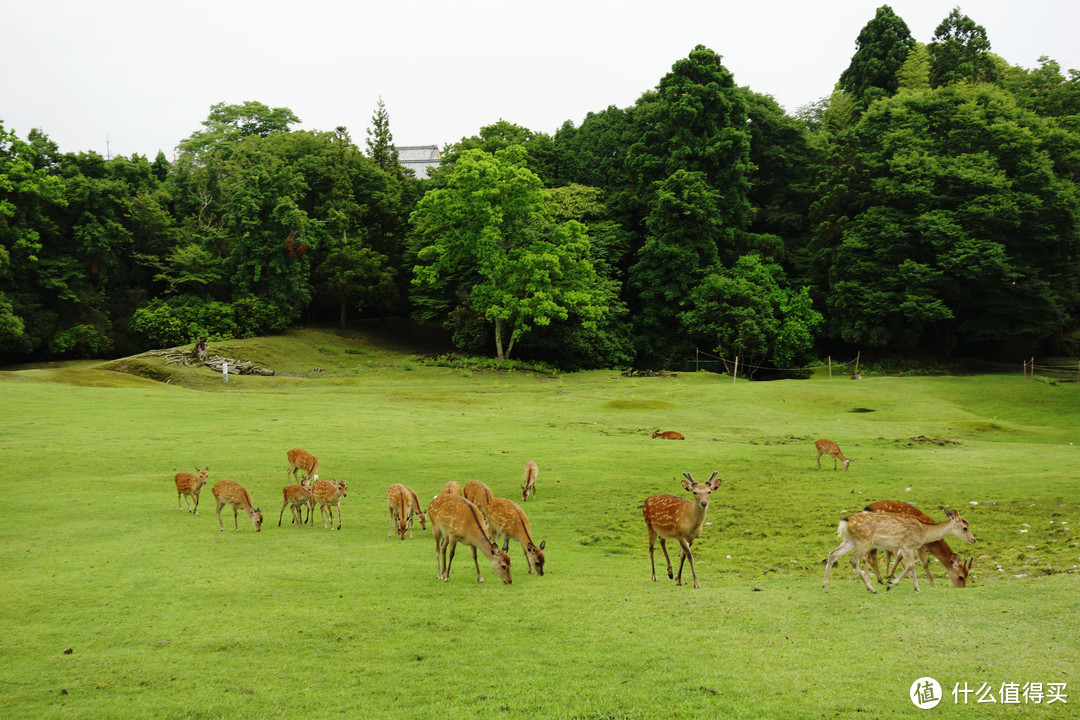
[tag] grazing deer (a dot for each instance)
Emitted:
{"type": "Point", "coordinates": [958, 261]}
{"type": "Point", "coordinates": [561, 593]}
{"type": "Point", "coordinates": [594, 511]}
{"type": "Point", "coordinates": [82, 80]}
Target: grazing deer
{"type": "Point", "coordinates": [190, 485]}
{"type": "Point", "coordinates": [670, 516]}
{"type": "Point", "coordinates": [226, 492]}
{"type": "Point", "coordinates": [452, 487]}
{"type": "Point", "coordinates": [668, 435]}
{"type": "Point", "coordinates": [478, 494]}
{"type": "Point", "coordinates": [327, 494]}
{"type": "Point", "coordinates": [304, 462]}
{"type": "Point", "coordinates": [828, 447]}
{"type": "Point", "coordinates": [454, 519]}
{"type": "Point", "coordinates": [862, 532]}
{"type": "Point", "coordinates": [955, 567]}
{"type": "Point", "coordinates": [403, 504]}
{"type": "Point", "coordinates": [528, 490]}
{"type": "Point", "coordinates": [507, 521]}
{"type": "Point", "coordinates": [298, 497]}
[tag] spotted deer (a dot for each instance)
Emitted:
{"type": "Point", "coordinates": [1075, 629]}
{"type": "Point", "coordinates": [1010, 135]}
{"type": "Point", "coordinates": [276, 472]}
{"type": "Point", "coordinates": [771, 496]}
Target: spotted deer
{"type": "Point", "coordinates": [955, 567]}
{"type": "Point", "coordinates": [297, 497]}
{"type": "Point", "coordinates": [867, 531]}
{"type": "Point", "coordinates": [673, 517]}
{"type": "Point", "coordinates": [226, 492]}
{"type": "Point", "coordinates": [454, 519]}
{"type": "Point", "coordinates": [190, 485]}
{"type": "Point", "coordinates": [828, 447]}
{"type": "Point", "coordinates": [403, 505]}
{"type": "Point", "coordinates": [452, 487]}
{"type": "Point", "coordinates": [327, 494]}
{"type": "Point", "coordinates": [508, 521]}
{"type": "Point", "coordinates": [478, 494]}
{"type": "Point", "coordinates": [305, 463]}
{"type": "Point", "coordinates": [668, 435]}
{"type": "Point", "coordinates": [528, 490]}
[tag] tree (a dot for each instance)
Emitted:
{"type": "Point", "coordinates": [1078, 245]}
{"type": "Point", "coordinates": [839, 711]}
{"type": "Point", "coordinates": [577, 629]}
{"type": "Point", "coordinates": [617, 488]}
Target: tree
{"type": "Point", "coordinates": [356, 276]}
{"type": "Point", "coordinates": [881, 49]}
{"type": "Point", "coordinates": [487, 243]}
{"type": "Point", "coordinates": [380, 141]}
{"type": "Point", "coordinates": [228, 124]}
{"type": "Point", "coordinates": [960, 52]}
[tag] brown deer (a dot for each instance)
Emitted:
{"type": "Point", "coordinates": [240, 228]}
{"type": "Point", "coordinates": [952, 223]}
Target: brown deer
{"type": "Point", "coordinates": [955, 567]}
{"type": "Point", "coordinates": [452, 487]}
{"type": "Point", "coordinates": [528, 490]}
{"type": "Point", "coordinates": [862, 532]}
{"type": "Point", "coordinates": [478, 494]}
{"type": "Point", "coordinates": [403, 504]}
{"type": "Point", "coordinates": [828, 447]}
{"type": "Point", "coordinates": [454, 519]}
{"type": "Point", "coordinates": [668, 435]}
{"type": "Point", "coordinates": [507, 521]}
{"type": "Point", "coordinates": [226, 492]}
{"type": "Point", "coordinates": [327, 494]}
{"type": "Point", "coordinates": [298, 497]}
{"type": "Point", "coordinates": [305, 463]}
{"type": "Point", "coordinates": [670, 516]}
{"type": "Point", "coordinates": [190, 485]}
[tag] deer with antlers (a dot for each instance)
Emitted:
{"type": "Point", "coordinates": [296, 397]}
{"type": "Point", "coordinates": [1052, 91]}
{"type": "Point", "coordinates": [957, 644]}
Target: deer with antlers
{"type": "Point", "coordinates": [528, 490]}
{"type": "Point", "coordinates": [226, 492]}
{"type": "Point", "coordinates": [403, 505]}
{"type": "Point", "coordinates": [955, 567]}
{"type": "Point", "coordinates": [673, 517]}
{"type": "Point", "coordinates": [454, 519]}
{"type": "Point", "coordinates": [828, 447]}
{"type": "Point", "coordinates": [298, 497]}
{"type": "Point", "coordinates": [305, 463]}
{"type": "Point", "coordinates": [864, 531]}
{"type": "Point", "coordinates": [190, 485]}
{"type": "Point", "coordinates": [327, 494]}
{"type": "Point", "coordinates": [507, 520]}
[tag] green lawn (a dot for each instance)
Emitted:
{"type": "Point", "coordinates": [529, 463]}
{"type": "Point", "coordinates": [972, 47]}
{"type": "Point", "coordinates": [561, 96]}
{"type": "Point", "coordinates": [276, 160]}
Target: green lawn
{"type": "Point", "coordinates": [117, 604]}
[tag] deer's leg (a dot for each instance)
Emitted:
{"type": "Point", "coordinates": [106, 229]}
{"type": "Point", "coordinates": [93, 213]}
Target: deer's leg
{"type": "Point", "coordinates": [338, 515]}
{"type": "Point", "coordinates": [663, 546]}
{"type": "Point", "coordinates": [451, 546]}
{"type": "Point", "coordinates": [438, 554]}
{"type": "Point", "coordinates": [858, 555]}
{"type": "Point", "coordinates": [687, 555]}
{"type": "Point", "coordinates": [926, 565]}
{"type": "Point", "coordinates": [872, 561]}
{"type": "Point", "coordinates": [393, 520]}
{"type": "Point", "coordinates": [835, 555]}
{"type": "Point", "coordinates": [819, 461]}
{"type": "Point", "coordinates": [909, 569]}
{"type": "Point", "coordinates": [235, 522]}
{"type": "Point", "coordinates": [221, 525]}
{"type": "Point", "coordinates": [652, 541]}
{"type": "Point", "coordinates": [476, 562]}
{"type": "Point", "coordinates": [196, 511]}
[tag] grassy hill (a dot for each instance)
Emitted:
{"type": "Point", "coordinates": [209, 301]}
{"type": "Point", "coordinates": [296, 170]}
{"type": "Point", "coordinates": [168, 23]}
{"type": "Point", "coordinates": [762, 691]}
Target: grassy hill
{"type": "Point", "coordinates": [119, 604]}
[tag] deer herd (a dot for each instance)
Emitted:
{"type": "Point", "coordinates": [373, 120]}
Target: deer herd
{"type": "Point", "coordinates": [474, 516]}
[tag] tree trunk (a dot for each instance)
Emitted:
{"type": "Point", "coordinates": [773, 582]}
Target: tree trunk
{"type": "Point", "coordinates": [498, 340]}
{"type": "Point", "coordinates": [342, 319]}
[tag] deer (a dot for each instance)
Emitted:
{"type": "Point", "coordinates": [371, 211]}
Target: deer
{"type": "Point", "coordinates": [452, 487]}
{"type": "Point", "coordinates": [478, 494]}
{"type": "Point", "coordinates": [955, 567]}
{"type": "Point", "coordinates": [528, 490]}
{"type": "Point", "coordinates": [507, 520]}
{"type": "Point", "coordinates": [673, 517]}
{"type": "Point", "coordinates": [454, 519]}
{"type": "Point", "coordinates": [403, 504]}
{"type": "Point", "coordinates": [668, 435]}
{"type": "Point", "coordinates": [304, 462]}
{"type": "Point", "coordinates": [864, 531]}
{"type": "Point", "coordinates": [327, 494]}
{"type": "Point", "coordinates": [190, 485]}
{"type": "Point", "coordinates": [828, 447]}
{"type": "Point", "coordinates": [226, 492]}
{"type": "Point", "coordinates": [298, 497]}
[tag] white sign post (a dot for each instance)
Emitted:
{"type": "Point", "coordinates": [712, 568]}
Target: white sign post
{"type": "Point", "coordinates": [225, 371]}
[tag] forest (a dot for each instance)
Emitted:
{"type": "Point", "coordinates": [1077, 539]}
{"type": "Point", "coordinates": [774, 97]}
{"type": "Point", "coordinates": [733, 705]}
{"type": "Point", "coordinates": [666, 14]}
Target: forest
{"type": "Point", "coordinates": [928, 207]}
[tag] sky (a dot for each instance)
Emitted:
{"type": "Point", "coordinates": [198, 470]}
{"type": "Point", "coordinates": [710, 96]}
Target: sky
{"type": "Point", "coordinates": [122, 77]}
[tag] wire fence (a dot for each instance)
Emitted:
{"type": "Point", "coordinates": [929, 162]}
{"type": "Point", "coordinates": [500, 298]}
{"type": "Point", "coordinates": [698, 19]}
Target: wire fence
{"type": "Point", "coordinates": [1060, 373]}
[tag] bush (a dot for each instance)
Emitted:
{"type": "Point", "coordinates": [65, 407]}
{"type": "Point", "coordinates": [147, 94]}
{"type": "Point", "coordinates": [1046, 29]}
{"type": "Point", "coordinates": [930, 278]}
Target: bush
{"type": "Point", "coordinates": [181, 319]}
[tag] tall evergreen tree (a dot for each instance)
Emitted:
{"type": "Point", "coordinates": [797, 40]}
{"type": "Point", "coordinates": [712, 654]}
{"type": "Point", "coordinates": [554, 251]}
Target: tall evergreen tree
{"type": "Point", "coordinates": [960, 52]}
{"type": "Point", "coordinates": [882, 47]}
{"type": "Point", "coordinates": [380, 141]}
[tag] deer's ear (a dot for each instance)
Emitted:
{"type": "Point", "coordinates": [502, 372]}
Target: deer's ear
{"type": "Point", "coordinates": [506, 545]}
{"type": "Point", "coordinates": [543, 544]}
{"type": "Point", "coordinates": [713, 477]}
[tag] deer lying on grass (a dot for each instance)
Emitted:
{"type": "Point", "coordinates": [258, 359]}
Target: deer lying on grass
{"type": "Point", "coordinates": [478, 494]}
{"type": "Point", "coordinates": [670, 516]}
{"type": "Point", "coordinates": [668, 435]}
{"type": "Point", "coordinates": [506, 520]}
{"type": "Point", "coordinates": [305, 463]}
{"type": "Point", "coordinates": [403, 504]}
{"type": "Point", "coordinates": [454, 519]}
{"type": "Point", "coordinates": [828, 447]}
{"type": "Point", "coordinates": [862, 532]}
{"type": "Point", "coordinates": [528, 490]}
{"type": "Point", "coordinates": [955, 567]}
{"type": "Point", "coordinates": [226, 492]}
{"type": "Point", "coordinates": [298, 497]}
{"type": "Point", "coordinates": [190, 485]}
{"type": "Point", "coordinates": [327, 494]}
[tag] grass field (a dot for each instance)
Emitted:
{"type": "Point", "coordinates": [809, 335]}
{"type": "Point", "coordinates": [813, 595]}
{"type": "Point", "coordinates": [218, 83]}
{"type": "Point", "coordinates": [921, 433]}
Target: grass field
{"type": "Point", "coordinates": [117, 604]}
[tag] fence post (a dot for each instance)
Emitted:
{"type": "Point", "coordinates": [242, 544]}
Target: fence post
{"type": "Point", "coordinates": [830, 367]}
{"type": "Point", "coordinates": [735, 375]}
{"type": "Point", "coordinates": [857, 356]}
{"type": "Point", "coordinates": [697, 360]}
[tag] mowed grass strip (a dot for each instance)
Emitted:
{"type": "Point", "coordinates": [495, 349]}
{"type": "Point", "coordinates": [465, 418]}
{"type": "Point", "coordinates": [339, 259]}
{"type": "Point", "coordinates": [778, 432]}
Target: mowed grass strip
{"type": "Point", "coordinates": [166, 616]}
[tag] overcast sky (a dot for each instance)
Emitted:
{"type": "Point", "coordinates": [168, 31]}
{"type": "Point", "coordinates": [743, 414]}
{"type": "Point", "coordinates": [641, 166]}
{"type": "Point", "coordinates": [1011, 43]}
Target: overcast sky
{"type": "Point", "coordinates": [124, 76]}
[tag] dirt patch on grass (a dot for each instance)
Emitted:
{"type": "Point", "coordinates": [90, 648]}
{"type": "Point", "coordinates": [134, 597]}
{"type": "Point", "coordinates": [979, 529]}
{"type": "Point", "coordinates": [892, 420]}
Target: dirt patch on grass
{"type": "Point", "coordinates": [639, 404]}
{"type": "Point", "coordinates": [923, 440]}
